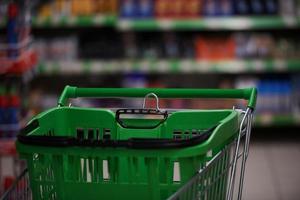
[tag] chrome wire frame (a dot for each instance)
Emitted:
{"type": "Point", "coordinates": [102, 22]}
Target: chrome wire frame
{"type": "Point", "coordinates": [20, 189]}
{"type": "Point", "coordinates": [216, 180]}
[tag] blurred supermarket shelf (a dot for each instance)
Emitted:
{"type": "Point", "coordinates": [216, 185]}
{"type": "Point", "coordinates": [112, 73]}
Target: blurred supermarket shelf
{"type": "Point", "coordinates": [18, 66]}
{"type": "Point", "coordinates": [207, 23]}
{"type": "Point", "coordinates": [168, 66]}
{"type": "Point", "coordinates": [8, 147]}
{"type": "Point", "coordinates": [270, 120]}
{"type": "Point", "coordinates": [225, 23]}
{"type": "Point", "coordinates": [76, 21]}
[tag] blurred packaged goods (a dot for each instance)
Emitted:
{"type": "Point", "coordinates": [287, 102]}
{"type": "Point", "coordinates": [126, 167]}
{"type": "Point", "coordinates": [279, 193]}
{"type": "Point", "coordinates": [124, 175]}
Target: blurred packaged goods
{"type": "Point", "coordinates": [215, 48]}
{"type": "Point", "coordinates": [169, 45]}
{"type": "Point", "coordinates": [10, 106]}
{"type": "Point", "coordinates": [276, 96]}
{"type": "Point", "coordinates": [177, 9]}
{"type": "Point", "coordinates": [16, 54]}
{"type": "Point", "coordinates": [134, 80]}
{"type": "Point", "coordinates": [136, 9]}
{"type": "Point", "coordinates": [18, 31]}
{"type": "Point", "coordinates": [198, 8]}
{"type": "Point", "coordinates": [71, 8]}
{"type": "Point", "coordinates": [59, 48]}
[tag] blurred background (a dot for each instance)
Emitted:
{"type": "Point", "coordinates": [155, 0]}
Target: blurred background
{"type": "Point", "coordinates": [45, 45]}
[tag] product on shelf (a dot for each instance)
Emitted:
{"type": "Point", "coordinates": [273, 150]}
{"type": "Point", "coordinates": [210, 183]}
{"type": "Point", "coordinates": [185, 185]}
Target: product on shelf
{"type": "Point", "coordinates": [128, 8]}
{"type": "Point", "coordinates": [3, 11]}
{"type": "Point", "coordinates": [12, 31]}
{"type": "Point", "coordinates": [134, 80]}
{"type": "Point", "coordinates": [3, 102]}
{"type": "Point", "coordinates": [106, 6]}
{"type": "Point", "coordinates": [10, 112]}
{"type": "Point", "coordinates": [191, 8]}
{"type": "Point", "coordinates": [211, 8]}
{"type": "Point", "coordinates": [136, 8]}
{"type": "Point", "coordinates": [59, 9]}
{"type": "Point", "coordinates": [14, 112]}
{"type": "Point", "coordinates": [271, 7]}
{"type": "Point", "coordinates": [170, 9]}
{"type": "Point", "coordinates": [274, 95]}
{"type": "Point", "coordinates": [82, 8]}
{"type": "Point", "coordinates": [130, 45]}
{"type": "Point", "coordinates": [60, 48]}
{"type": "Point", "coordinates": [278, 98]}
{"type": "Point", "coordinates": [215, 48]}
{"type": "Point", "coordinates": [16, 56]}
{"type": "Point", "coordinates": [171, 45]}
{"type": "Point", "coordinates": [288, 8]}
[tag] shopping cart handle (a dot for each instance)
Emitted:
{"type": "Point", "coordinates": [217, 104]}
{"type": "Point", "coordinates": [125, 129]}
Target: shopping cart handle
{"type": "Point", "coordinates": [74, 92]}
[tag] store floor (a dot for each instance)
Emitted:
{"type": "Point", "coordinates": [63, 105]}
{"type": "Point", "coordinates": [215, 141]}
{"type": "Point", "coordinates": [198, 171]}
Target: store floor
{"type": "Point", "coordinates": [273, 170]}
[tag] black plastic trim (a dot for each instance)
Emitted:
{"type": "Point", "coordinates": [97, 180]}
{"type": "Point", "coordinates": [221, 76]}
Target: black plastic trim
{"type": "Point", "coordinates": [30, 127]}
{"type": "Point", "coordinates": [132, 143]}
{"type": "Point", "coordinates": [140, 112]}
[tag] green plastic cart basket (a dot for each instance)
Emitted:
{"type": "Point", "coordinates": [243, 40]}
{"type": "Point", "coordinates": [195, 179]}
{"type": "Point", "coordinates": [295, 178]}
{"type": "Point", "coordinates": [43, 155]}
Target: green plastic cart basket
{"type": "Point", "coordinates": [150, 154]}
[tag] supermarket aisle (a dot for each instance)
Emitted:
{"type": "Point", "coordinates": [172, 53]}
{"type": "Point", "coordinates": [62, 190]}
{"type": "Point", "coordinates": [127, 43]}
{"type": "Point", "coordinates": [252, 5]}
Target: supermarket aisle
{"type": "Point", "coordinates": [273, 171]}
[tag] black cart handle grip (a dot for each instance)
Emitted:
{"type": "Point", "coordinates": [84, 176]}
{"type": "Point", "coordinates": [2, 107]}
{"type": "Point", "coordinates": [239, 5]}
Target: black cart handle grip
{"type": "Point", "coordinates": [119, 112]}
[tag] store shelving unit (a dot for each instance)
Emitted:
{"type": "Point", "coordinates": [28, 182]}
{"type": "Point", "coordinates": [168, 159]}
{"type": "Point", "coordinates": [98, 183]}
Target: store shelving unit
{"type": "Point", "coordinates": [276, 120]}
{"type": "Point", "coordinates": [53, 27]}
{"type": "Point", "coordinates": [169, 66]}
{"type": "Point", "coordinates": [213, 23]}
{"type": "Point", "coordinates": [205, 23]}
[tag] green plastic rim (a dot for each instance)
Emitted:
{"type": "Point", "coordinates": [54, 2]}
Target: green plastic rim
{"type": "Point", "coordinates": [248, 94]}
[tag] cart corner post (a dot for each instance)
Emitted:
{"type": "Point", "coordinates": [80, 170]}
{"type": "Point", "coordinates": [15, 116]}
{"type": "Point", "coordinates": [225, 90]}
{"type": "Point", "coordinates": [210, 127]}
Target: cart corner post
{"type": "Point", "coordinates": [68, 92]}
{"type": "Point", "coordinates": [251, 95]}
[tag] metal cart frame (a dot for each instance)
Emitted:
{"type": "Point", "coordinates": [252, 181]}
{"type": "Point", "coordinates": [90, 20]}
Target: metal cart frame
{"type": "Point", "coordinates": [204, 185]}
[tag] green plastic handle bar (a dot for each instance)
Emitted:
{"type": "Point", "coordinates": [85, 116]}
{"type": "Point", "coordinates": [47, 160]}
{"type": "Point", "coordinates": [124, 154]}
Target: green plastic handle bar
{"type": "Point", "coordinates": [74, 92]}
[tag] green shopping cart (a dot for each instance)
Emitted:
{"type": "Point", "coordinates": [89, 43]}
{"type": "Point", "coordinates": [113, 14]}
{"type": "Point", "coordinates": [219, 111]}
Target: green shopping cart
{"type": "Point", "coordinates": [150, 154]}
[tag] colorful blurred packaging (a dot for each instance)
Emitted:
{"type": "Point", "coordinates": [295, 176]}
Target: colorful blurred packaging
{"type": "Point", "coordinates": [145, 8]}
{"type": "Point", "coordinates": [63, 48]}
{"type": "Point", "coordinates": [241, 7]}
{"type": "Point", "coordinates": [130, 45]}
{"type": "Point", "coordinates": [271, 7]}
{"type": "Point", "coordinates": [191, 8]}
{"type": "Point", "coordinates": [134, 80]}
{"type": "Point", "coordinates": [13, 110]}
{"type": "Point", "coordinates": [210, 8]}
{"type": "Point", "coordinates": [106, 6]}
{"type": "Point", "coordinates": [82, 8]}
{"type": "Point", "coordinates": [166, 8]}
{"type": "Point", "coordinates": [2, 109]}
{"type": "Point", "coordinates": [61, 8]}
{"type": "Point", "coordinates": [3, 11]}
{"type": "Point", "coordinates": [128, 8]}
{"type": "Point", "coordinates": [288, 8]}
{"type": "Point", "coordinates": [12, 30]}
{"type": "Point", "coordinates": [257, 7]}
{"type": "Point", "coordinates": [215, 48]}
{"type": "Point", "coordinates": [171, 45]}
{"type": "Point", "coordinates": [225, 8]}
